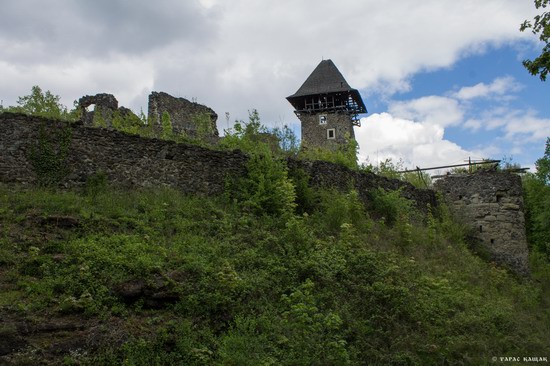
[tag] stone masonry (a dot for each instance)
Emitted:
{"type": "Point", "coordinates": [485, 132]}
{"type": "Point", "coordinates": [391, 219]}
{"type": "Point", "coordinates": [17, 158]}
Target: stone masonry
{"type": "Point", "coordinates": [183, 114]}
{"type": "Point", "coordinates": [130, 161]}
{"type": "Point", "coordinates": [317, 133]}
{"type": "Point", "coordinates": [491, 203]}
{"type": "Point", "coordinates": [105, 104]}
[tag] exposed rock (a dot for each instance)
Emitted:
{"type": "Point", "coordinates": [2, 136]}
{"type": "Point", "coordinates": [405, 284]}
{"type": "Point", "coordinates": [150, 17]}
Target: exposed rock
{"type": "Point", "coordinates": [64, 222]}
{"type": "Point", "coordinates": [155, 294]}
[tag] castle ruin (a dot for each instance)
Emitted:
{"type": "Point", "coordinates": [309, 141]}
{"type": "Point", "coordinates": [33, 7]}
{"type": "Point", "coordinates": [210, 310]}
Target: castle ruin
{"type": "Point", "coordinates": [491, 204]}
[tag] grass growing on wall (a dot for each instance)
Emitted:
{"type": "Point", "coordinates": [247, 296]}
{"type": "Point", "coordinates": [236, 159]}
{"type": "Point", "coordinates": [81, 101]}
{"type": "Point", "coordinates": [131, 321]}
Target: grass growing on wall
{"type": "Point", "coordinates": [322, 285]}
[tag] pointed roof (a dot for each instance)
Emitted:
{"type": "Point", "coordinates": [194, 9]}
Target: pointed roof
{"type": "Point", "coordinates": [326, 78]}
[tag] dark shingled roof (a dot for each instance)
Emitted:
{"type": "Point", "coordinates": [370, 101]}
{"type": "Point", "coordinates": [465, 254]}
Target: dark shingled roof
{"type": "Point", "coordinates": [326, 78]}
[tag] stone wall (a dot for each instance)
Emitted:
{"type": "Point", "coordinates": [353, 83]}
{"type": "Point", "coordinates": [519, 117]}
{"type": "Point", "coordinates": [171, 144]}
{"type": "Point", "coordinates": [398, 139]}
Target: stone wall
{"type": "Point", "coordinates": [127, 160]}
{"type": "Point", "coordinates": [183, 113]}
{"type": "Point", "coordinates": [132, 161]}
{"type": "Point", "coordinates": [330, 175]}
{"type": "Point", "coordinates": [105, 104]}
{"type": "Point", "coordinates": [491, 203]}
{"type": "Point", "coordinates": [315, 134]}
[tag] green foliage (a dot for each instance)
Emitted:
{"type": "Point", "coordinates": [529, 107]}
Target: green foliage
{"type": "Point", "coordinates": [204, 128]}
{"type": "Point", "coordinates": [541, 27]}
{"type": "Point", "coordinates": [288, 142]}
{"type": "Point", "coordinates": [543, 165]}
{"type": "Point", "coordinates": [386, 168]}
{"type": "Point", "coordinates": [129, 123]}
{"type": "Point", "coordinates": [44, 104]}
{"type": "Point", "coordinates": [305, 194]}
{"type": "Point", "coordinates": [311, 336]}
{"type": "Point", "coordinates": [166, 124]}
{"type": "Point", "coordinates": [266, 189]}
{"type": "Point", "coordinates": [99, 120]}
{"type": "Point", "coordinates": [331, 287]}
{"type": "Point", "coordinates": [389, 169]}
{"type": "Point", "coordinates": [48, 157]}
{"type": "Point", "coordinates": [96, 184]}
{"type": "Point", "coordinates": [390, 206]}
{"type": "Point", "coordinates": [536, 193]}
{"type": "Point", "coordinates": [245, 136]}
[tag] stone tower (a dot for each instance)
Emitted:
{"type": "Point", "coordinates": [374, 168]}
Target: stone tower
{"type": "Point", "coordinates": [491, 203]}
{"type": "Point", "coordinates": [327, 107]}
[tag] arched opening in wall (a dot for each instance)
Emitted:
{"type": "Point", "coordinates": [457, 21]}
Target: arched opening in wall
{"type": "Point", "coordinates": [90, 108]}
{"type": "Point", "coordinates": [492, 241]}
{"type": "Point", "coordinates": [480, 228]}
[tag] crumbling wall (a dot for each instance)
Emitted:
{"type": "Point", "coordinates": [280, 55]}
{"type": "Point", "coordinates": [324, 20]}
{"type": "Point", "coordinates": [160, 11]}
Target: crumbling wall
{"type": "Point", "coordinates": [491, 203]}
{"type": "Point", "coordinates": [132, 161]}
{"type": "Point", "coordinates": [185, 116]}
{"type": "Point", "coordinates": [105, 105]}
{"type": "Point", "coordinates": [329, 175]}
{"type": "Point", "coordinates": [129, 161]}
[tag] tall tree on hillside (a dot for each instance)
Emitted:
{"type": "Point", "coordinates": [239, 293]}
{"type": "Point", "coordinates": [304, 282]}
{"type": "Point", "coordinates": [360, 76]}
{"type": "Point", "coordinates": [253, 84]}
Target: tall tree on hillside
{"type": "Point", "coordinates": [541, 27]}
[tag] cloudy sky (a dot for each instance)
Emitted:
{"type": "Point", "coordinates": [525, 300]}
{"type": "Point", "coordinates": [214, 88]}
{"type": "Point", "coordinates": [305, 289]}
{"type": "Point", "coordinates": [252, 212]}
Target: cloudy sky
{"type": "Point", "coordinates": [442, 79]}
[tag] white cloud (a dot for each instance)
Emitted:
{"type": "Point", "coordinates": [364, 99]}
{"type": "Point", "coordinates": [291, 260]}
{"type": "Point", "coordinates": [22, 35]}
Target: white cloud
{"type": "Point", "coordinates": [414, 130]}
{"type": "Point", "coordinates": [383, 136]}
{"type": "Point", "coordinates": [437, 110]}
{"type": "Point", "coordinates": [502, 86]}
{"type": "Point", "coordinates": [242, 54]}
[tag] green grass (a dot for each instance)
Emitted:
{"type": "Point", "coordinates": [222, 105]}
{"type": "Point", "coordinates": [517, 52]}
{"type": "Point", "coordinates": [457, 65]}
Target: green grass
{"type": "Point", "coordinates": [333, 285]}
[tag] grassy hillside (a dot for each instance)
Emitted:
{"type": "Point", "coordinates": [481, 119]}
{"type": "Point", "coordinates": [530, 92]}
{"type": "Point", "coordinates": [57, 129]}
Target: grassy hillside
{"type": "Point", "coordinates": [109, 277]}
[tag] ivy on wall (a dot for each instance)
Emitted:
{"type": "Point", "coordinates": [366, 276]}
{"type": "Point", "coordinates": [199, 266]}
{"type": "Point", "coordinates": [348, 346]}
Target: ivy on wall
{"type": "Point", "coordinates": [49, 154]}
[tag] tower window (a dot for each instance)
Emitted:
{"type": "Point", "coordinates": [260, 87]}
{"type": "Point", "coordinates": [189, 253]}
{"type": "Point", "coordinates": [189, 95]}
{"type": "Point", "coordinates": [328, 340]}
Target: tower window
{"type": "Point", "coordinates": [323, 119]}
{"type": "Point", "coordinates": [331, 134]}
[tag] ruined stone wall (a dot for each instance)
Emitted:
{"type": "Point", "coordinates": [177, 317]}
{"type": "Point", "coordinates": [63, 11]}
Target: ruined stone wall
{"type": "Point", "coordinates": [183, 113]}
{"type": "Point", "coordinates": [315, 134]}
{"type": "Point", "coordinates": [491, 203]}
{"type": "Point", "coordinates": [105, 105]}
{"type": "Point", "coordinates": [330, 175]}
{"type": "Point", "coordinates": [131, 161]}
{"type": "Point", "coordinates": [127, 160]}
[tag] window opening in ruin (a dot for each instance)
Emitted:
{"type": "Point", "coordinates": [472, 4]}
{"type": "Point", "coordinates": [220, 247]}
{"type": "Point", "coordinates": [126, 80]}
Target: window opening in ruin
{"type": "Point", "coordinates": [331, 134]}
{"type": "Point", "coordinates": [90, 108]}
{"type": "Point", "coordinates": [480, 228]}
{"type": "Point", "coordinates": [323, 119]}
{"type": "Point", "coordinates": [492, 241]}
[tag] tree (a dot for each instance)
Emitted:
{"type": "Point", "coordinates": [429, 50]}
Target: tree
{"type": "Point", "coordinates": [541, 27]}
{"type": "Point", "coordinates": [537, 200]}
{"type": "Point", "coordinates": [38, 103]}
{"type": "Point", "coordinates": [543, 165]}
